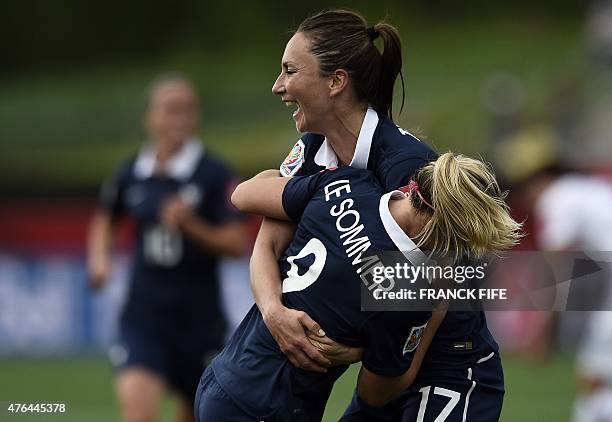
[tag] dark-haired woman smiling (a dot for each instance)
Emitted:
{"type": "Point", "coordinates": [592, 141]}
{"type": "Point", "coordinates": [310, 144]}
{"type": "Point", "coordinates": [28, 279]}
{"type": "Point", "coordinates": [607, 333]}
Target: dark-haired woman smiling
{"type": "Point", "coordinates": [340, 75]}
{"type": "Point", "coordinates": [341, 84]}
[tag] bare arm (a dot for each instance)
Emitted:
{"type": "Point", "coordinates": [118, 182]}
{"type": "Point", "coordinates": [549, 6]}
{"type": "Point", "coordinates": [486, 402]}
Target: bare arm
{"type": "Point", "coordinates": [262, 194]}
{"type": "Point", "coordinates": [272, 239]}
{"type": "Point", "coordinates": [374, 389]}
{"type": "Point", "coordinates": [287, 326]}
{"type": "Point", "coordinates": [337, 353]}
{"type": "Point", "coordinates": [99, 242]}
{"type": "Point", "coordinates": [377, 390]}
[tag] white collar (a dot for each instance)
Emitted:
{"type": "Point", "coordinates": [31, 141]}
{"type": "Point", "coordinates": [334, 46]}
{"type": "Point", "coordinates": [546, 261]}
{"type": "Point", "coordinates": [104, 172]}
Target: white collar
{"type": "Point", "coordinates": [327, 157]}
{"type": "Point", "coordinates": [401, 240]}
{"type": "Point", "coordinates": [180, 166]}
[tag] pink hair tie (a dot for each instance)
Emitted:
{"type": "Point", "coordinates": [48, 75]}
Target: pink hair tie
{"type": "Point", "coordinates": [413, 186]}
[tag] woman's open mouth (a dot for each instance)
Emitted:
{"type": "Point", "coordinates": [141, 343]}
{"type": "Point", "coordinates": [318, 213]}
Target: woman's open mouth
{"type": "Point", "coordinates": [293, 104]}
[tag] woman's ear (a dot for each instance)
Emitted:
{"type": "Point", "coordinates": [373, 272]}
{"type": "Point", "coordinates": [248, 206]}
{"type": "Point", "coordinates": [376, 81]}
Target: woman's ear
{"type": "Point", "coordinates": [338, 82]}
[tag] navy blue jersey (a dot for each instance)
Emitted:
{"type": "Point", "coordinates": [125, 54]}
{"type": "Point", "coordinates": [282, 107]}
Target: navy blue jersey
{"type": "Point", "coordinates": [461, 394]}
{"type": "Point", "coordinates": [170, 271]}
{"type": "Point", "coordinates": [392, 153]}
{"type": "Point", "coordinates": [462, 339]}
{"type": "Point", "coordinates": [340, 219]}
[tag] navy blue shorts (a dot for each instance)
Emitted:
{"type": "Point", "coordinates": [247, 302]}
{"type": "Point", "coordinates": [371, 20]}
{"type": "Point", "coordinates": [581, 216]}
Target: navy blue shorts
{"type": "Point", "coordinates": [178, 358]}
{"type": "Point", "coordinates": [474, 395]}
{"type": "Point", "coordinates": [360, 411]}
{"type": "Point", "coordinates": [212, 404]}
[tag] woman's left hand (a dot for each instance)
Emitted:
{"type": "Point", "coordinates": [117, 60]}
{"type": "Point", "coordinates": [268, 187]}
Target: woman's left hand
{"type": "Point", "coordinates": [338, 353]}
{"type": "Point", "coordinates": [175, 211]}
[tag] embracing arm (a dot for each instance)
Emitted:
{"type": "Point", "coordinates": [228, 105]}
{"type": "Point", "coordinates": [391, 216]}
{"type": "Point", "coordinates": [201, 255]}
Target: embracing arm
{"type": "Point", "coordinates": [377, 390]}
{"type": "Point", "coordinates": [262, 194]}
{"type": "Point", "coordinates": [273, 237]}
{"type": "Point", "coordinates": [287, 326]}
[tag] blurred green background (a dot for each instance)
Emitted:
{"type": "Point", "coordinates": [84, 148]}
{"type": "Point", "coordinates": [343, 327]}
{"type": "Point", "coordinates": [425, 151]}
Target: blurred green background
{"type": "Point", "coordinates": [72, 97]}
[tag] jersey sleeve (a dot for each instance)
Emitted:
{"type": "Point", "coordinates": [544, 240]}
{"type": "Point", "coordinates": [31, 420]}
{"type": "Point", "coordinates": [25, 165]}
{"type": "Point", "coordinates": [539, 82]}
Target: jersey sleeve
{"type": "Point", "coordinates": [292, 164]}
{"type": "Point", "coordinates": [300, 189]}
{"type": "Point", "coordinates": [396, 155]}
{"type": "Point", "coordinates": [298, 192]}
{"type": "Point", "coordinates": [113, 189]}
{"type": "Point", "coordinates": [300, 160]}
{"type": "Point", "coordinates": [401, 169]}
{"type": "Point", "coordinates": [391, 339]}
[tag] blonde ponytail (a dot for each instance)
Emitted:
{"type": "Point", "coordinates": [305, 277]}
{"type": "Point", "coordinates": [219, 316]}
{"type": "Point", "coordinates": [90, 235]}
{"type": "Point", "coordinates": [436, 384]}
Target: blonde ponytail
{"type": "Point", "coordinates": [470, 215]}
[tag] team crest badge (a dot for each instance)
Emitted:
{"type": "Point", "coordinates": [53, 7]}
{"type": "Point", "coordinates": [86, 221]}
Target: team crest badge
{"type": "Point", "coordinates": [414, 338]}
{"type": "Point", "coordinates": [294, 160]}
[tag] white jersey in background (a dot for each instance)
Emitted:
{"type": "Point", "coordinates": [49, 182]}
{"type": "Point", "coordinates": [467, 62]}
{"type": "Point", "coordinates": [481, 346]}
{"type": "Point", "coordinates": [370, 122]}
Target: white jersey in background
{"type": "Point", "coordinates": [575, 213]}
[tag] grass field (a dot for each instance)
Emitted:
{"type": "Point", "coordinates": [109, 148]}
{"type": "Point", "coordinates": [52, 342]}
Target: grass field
{"type": "Point", "coordinates": [534, 392]}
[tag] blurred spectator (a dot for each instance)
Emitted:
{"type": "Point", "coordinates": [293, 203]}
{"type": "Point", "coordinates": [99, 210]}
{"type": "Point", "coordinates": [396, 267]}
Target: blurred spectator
{"type": "Point", "coordinates": [572, 211]}
{"type": "Point", "coordinates": [177, 193]}
{"type": "Point", "coordinates": [517, 156]}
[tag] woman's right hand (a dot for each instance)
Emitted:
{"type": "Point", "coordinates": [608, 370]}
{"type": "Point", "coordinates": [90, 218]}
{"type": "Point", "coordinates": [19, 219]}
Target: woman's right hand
{"type": "Point", "coordinates": [289, 328]}
{"type": "Point", "coordinates": [99, 272]}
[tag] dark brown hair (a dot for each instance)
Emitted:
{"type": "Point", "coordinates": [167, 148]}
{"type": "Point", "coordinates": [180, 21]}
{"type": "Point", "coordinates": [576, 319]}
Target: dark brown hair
{"type": "Point", "coordinates": [341, 40]}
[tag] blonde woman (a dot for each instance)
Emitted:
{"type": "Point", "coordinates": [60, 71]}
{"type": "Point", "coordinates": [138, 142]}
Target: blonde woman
{"type": "Point", "coordinates": [453, 206]}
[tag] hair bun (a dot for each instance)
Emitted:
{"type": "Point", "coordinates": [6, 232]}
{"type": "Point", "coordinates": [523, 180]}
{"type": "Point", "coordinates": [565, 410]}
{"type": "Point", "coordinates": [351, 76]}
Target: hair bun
{"type": "Point", "coordinates": [372, 33]}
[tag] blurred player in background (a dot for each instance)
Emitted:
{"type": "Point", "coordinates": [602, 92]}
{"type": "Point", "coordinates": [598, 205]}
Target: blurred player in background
{"type": "Point", "coordinates": [178, 195]}
{"type": "Point", "coordinates": [572, 212]}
